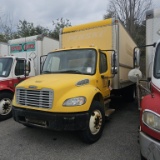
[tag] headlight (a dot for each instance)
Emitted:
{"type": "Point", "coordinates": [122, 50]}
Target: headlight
{"type": "Point", "coordinates": [151, 119]}
{"type": "Point", "coordinates": [76, 101]}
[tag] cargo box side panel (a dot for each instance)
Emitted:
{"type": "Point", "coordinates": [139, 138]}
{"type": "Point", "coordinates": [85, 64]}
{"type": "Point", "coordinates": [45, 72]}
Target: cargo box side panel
{"type": "Point", "coordinates": [49, 45]}
{"type": "Point", "coordinates": [100, 37]}
{"type": "Point", "coordinates": [126, 46]}
{"type": "Point", "coordinates": [22, 47]}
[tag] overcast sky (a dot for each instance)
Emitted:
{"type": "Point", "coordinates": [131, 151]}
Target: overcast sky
{"type": "Point", "coordinates": [43, 12]}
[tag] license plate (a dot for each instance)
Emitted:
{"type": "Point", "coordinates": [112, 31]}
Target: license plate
{"type": "Point", "coordinates": [36, 122]}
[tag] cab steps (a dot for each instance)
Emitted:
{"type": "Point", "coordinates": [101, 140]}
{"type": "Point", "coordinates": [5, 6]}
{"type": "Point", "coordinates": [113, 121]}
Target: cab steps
{"type": "Point", "coordinates": [108, 111]}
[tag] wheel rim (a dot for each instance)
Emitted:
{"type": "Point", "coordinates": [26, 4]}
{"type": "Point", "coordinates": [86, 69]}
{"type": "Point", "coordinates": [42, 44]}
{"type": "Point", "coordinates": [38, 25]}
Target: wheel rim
{"type": "Point", "coordinates": [5, 106]}
{"type": "Point", "coordinates": [95, 122]}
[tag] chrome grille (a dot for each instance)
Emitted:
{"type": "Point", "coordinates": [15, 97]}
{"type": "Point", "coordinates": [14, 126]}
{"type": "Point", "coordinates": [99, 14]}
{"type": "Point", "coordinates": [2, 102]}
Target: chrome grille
{"type": "Point", "coordinates": [36, 98]}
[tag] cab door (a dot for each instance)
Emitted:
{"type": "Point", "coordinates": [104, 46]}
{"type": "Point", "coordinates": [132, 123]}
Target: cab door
{"type": "Point", "coordinates": [104, 74]}
{"type": "Point", "coordinates": [19, 71]}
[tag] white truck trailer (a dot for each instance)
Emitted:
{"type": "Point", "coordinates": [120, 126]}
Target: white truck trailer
{"type": "Point", "coordinates": [4, 49]}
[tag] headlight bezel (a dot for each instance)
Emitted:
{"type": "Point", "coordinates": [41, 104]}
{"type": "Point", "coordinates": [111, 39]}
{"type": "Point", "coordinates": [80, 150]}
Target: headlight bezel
{"type": "Point", "coordinates": [151, 119]}
{"type": "Point", "coordinates": [74, 101]}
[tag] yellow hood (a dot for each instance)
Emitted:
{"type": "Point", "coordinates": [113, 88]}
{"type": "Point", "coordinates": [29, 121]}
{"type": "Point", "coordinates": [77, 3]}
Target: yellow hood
{"type": "Point", "coordinates": [64, 87]}
{"type": "Point", "coordinates": [53, 81]}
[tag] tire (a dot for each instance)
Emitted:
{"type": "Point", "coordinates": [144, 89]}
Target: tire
{"type": "Point", "coordinates": [95, 123]}
{"type": "Point", "coordinates": [28, 126]}
{"type": "Point", "coordinates": [5, 105]}
{"type": "Point", "coordinates": [129, 93]}
{"type": "Point", "coordinates": [142, 158]}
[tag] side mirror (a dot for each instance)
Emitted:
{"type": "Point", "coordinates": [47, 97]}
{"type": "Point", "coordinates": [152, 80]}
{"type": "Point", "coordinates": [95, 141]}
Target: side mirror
{"type": "Point", "coordinates": [114, 63]}
{"type": "Point", "coordinates": [134, 74]}
{"type": "Point", "coordinates": [136, 57]}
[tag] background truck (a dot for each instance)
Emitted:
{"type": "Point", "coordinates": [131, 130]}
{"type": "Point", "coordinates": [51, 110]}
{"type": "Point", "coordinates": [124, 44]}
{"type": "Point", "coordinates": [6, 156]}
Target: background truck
{"type": "Point", "coordinates": [12, 67]}
{"type": "Point", "coordinates": [74, 89]}
{"type": "Point", "coordinates": [3, 49]}
{"type": "Point", "coordinates": [149, 95]}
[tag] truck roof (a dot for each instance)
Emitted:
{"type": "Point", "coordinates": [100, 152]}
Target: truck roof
{"type": "Point", "coordinates": [10, 56]}
{"type": "Point", "coordinates": [88, 25]}
{"type": "Point", "coordinates": [3, 43]}
{"type": "Point", "coordinates": [79, 47]}
{"type": "Point", "coordinates": [27, 39]}
{"type": "Point", "coordinates": [23, 39]}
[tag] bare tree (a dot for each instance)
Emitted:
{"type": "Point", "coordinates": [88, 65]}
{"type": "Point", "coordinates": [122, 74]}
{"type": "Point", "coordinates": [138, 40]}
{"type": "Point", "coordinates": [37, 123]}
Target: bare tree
{"type": "Point", "coordinates": [130, 12]}
{"type": "Point", "coordinates": [6, 27]}
{"type": "Point", "coordinates": [58, 25]}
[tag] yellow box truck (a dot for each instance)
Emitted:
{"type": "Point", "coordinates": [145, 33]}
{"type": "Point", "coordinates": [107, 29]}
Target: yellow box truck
{"type": "Point", "coordinates": [78, 80]}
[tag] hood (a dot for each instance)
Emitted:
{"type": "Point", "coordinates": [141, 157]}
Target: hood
{"type": "Point", "coordinates": [53, 81]}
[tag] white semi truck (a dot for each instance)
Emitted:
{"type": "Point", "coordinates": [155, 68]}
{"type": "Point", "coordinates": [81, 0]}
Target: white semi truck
{"type": "Point", "coordinates": [22, 51]}
{"type": "Point", "coordinates": [149, 103]}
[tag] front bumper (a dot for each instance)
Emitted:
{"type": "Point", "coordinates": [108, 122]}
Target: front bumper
{"type": "Point", "coordinates": [150, 148]}
{"type": "Point", "coordinates": [55, 121]}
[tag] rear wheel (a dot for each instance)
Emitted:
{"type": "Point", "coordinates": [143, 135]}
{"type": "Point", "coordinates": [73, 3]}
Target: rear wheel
{"type": "Point", "coordinates": [95, 123]}
{"type": "Point", "coordinates": [5, 105]}
{"type": "Point", "coordinates": [27, 125]}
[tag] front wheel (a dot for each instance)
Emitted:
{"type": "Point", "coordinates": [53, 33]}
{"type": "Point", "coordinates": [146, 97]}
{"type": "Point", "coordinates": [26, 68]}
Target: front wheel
{"type": "Point", "coordinates": [5, 105]}
{"type": "Point", "coordinates": [129, 93]}
{"type": "Point", "coordinates": [95, 123]}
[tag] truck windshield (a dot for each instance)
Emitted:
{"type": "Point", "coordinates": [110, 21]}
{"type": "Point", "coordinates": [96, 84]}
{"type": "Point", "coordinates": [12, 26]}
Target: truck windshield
{"type": "Point", "coordinates": [157, 63]}
{"type": "Point", "coordinates": [78, 61]}
{"type": "Point", "coordinates": [5, 66]}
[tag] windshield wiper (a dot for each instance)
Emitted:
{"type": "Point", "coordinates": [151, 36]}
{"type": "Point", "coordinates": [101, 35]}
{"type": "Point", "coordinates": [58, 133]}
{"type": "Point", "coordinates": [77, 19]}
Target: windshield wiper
{"type": "Point", "coordinates": [71, 71]}
{"type": "Point", "coordinates": [65, 71]}
{"type": "Point", "coordinates": [47, 72]}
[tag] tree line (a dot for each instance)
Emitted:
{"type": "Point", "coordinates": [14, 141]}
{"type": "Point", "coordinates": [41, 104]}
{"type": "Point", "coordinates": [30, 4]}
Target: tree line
{"type": "Point", "coordinates": [25, 29]}
{"type": "Point", "coordinates": [131, 13]}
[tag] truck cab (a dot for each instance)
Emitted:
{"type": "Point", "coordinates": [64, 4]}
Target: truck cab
{"type": "Point", "coordinates": [76, 84]}
{"type": "Point", "coordinates": [12, 71]}
{"type": "Point", "coordinates": [148, 96]}
{"type": "Point", "coordinates": [23, 61]}
{"type": "Point", "coordinates": [148, 89]}
{"type": "Point", "coordinates": [150, 114]}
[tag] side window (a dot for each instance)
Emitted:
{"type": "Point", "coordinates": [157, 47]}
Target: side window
{"type": "Point", "coordinates": [103, 63]}
{"type": "Point", "coordinates": [19, 69]}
